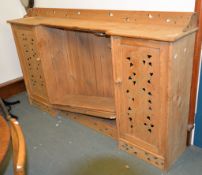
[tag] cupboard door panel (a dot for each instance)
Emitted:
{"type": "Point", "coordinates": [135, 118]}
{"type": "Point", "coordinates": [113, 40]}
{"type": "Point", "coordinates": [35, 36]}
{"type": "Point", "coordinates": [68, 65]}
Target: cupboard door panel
{"type": "Point", "coordinates": [30, 58]}
{"type": "Point", "coordinates": [139, 94]}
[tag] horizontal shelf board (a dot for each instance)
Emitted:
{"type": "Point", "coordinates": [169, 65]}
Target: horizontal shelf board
{"type": "Point", "coordinates": [91, 105]}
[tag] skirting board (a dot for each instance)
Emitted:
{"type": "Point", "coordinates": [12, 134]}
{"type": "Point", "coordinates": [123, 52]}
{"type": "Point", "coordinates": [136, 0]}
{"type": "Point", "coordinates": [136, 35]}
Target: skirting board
{"type": "Point", "coordinates": [12, 87]}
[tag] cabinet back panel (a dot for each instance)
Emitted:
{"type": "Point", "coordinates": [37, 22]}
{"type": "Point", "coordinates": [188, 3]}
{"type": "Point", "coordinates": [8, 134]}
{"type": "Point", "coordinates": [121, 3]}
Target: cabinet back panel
{"type": "Point", "coordinates": [81, 63]}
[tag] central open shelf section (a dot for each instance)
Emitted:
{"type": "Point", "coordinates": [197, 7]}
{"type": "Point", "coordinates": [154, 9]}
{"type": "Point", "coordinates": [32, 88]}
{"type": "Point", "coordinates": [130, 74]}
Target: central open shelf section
{"type": "Point", "coordinates": [81, 79]}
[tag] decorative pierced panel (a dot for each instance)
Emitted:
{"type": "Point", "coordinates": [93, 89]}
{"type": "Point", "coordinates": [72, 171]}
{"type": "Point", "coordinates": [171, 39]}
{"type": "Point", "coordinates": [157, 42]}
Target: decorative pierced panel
{"type": "Point", "coordinates": [148, 157]}
{"type": "Point", "coordinates": [31, 61]}
{"type": "Point", "coordinates": [108, 127]}
{"type": "Point", "coordinates": [140, 120]}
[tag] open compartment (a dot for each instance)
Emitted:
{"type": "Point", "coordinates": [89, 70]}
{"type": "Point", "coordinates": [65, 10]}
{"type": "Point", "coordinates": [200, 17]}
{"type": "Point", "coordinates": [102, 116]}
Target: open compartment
{"type": "Point", "coordinates": [78, 70]}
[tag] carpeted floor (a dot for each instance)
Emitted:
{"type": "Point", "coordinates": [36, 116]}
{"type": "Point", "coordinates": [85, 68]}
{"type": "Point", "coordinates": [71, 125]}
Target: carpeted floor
{"type": "Point", "coordinates": [59, 146]}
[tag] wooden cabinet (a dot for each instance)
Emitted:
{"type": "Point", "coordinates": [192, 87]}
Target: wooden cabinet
{"type": "Point", "coordinates": [129, 71]}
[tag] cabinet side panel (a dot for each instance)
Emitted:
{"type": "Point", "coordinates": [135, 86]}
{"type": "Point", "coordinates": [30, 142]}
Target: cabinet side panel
{"type": "Point", "coordinates": [180, 72]}
{"type": "Point", "coordinates": [30, 61]}
{"type": "Point", "coordinates": [48, 45]}
{"type": "Point", "coordinates": [20, 55]}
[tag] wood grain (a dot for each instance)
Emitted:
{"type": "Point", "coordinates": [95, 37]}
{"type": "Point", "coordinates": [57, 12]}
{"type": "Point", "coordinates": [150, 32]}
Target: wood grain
{"type": "Point", "coordinates": [179, 87]}
{"type": "Point", "coordinates": [146, 155]}
{"type": "Point", "coordinates": [134, 67]}
{"type": "Point", "coordinates": [140, 79]}
{"type": "Point", "coordinates": [167, 26]}
{"type": "Point", "coordinates": [81, 69]}
{"type": "Point", "coordinates": [4, 138]}
{"type": "Point", "coordinates": [30, 61]}
{"type": "Point", "coordinates": [105, 126]}
{"type": "Point", "coordinates": [148, 31]}
{"type": "Point", "coordinates": [100, 106]}
{"type": "Point", "coordinates": [188, 20]}
{"type": "Point", "coordinates": [153, 81]}
{"type": "Point", "coordinates": [19, 147]}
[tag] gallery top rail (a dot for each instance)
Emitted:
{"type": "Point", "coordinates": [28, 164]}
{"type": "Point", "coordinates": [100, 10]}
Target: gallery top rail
{"type": "Point", "coordinates": [162, 26]}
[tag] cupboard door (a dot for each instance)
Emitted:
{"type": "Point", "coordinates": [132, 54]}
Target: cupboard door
{"type": "Point", "coordinates": [138, 94]}
{"type": "Point", "coordinates": [30, 61]}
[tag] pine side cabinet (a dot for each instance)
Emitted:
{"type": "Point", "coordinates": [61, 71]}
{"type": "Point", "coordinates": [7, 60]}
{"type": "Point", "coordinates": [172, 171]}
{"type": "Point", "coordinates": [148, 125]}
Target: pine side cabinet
{"type": "Point", "coordinates": [125, 73]}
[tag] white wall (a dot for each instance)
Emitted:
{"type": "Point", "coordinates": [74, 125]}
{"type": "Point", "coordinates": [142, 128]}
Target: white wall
{"type": "Point", "coordinates": [158, 5]}
{"type": "Point", "coordinates": [9, 64]}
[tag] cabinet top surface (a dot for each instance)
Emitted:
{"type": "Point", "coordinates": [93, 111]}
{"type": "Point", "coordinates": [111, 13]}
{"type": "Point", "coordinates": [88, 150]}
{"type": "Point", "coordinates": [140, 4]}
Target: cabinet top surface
{"type": "Point", "coordinates": [162, 26]}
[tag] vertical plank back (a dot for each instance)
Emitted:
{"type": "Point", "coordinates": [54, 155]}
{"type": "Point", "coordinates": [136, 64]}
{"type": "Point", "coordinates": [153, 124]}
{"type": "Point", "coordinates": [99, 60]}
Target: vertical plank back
{"type": "Point", "coordinates": [79, 63]}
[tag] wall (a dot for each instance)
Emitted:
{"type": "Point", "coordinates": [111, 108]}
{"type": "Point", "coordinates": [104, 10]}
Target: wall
{"type": "Point", "coordinates": [9, 64]}
{"type": "Point", "coordinates": [158, 5]}
{"type": "Point", "coordinates": [198, 118]}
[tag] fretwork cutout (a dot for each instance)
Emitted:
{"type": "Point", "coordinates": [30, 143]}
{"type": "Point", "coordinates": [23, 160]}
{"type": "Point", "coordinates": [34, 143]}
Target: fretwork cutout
{"type": "Point", "coordinates": [33, 61]}
{"type": "Point", "coordinates": [148, 157]}
{"type": "Point", "coordinates": [141, 83]}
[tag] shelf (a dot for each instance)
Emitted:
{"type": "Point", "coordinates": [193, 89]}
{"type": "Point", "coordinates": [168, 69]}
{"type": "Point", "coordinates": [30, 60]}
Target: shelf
{"type": "Point", "coordinates": [91, 105]}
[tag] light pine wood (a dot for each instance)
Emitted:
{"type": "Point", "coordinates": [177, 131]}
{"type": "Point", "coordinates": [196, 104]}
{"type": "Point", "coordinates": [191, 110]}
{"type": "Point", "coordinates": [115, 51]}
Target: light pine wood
{"type": "Point", "coordinates": [105, 126]}
{"type": "Point", "coordinates": [179, 18]}
{"type": "Point", "coordinates": [179, 86]}
{"type": "Point", "coordinates": [129, 66]}
{"type": "Point", "coordinates": [145, 154]}
{"type": "Point", "coordinates": [76, 51]}
{"type": "Point", "coordinates": [139, 93]}
{"type": "Point", "coordinates": [44, 106]}
{"type": "Point", "coordinates": [4, 138]}
{"type": "Point", "coordinates": [188, 20]}
{"type": "Point", "coordinates": [87, 85]}
{"type": "Point", "coordinates": [102, 106]}
{"type": "Point", "coordinates": [19, 147]}
{"type": "Point", "coordinates": [25, 39]}
{"type": "Point", "coordinates": [152, 95]}
{"type": "Point", "coordinates": [166, 26]}
{"type": "Point", "coordinates": [148, 31]}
